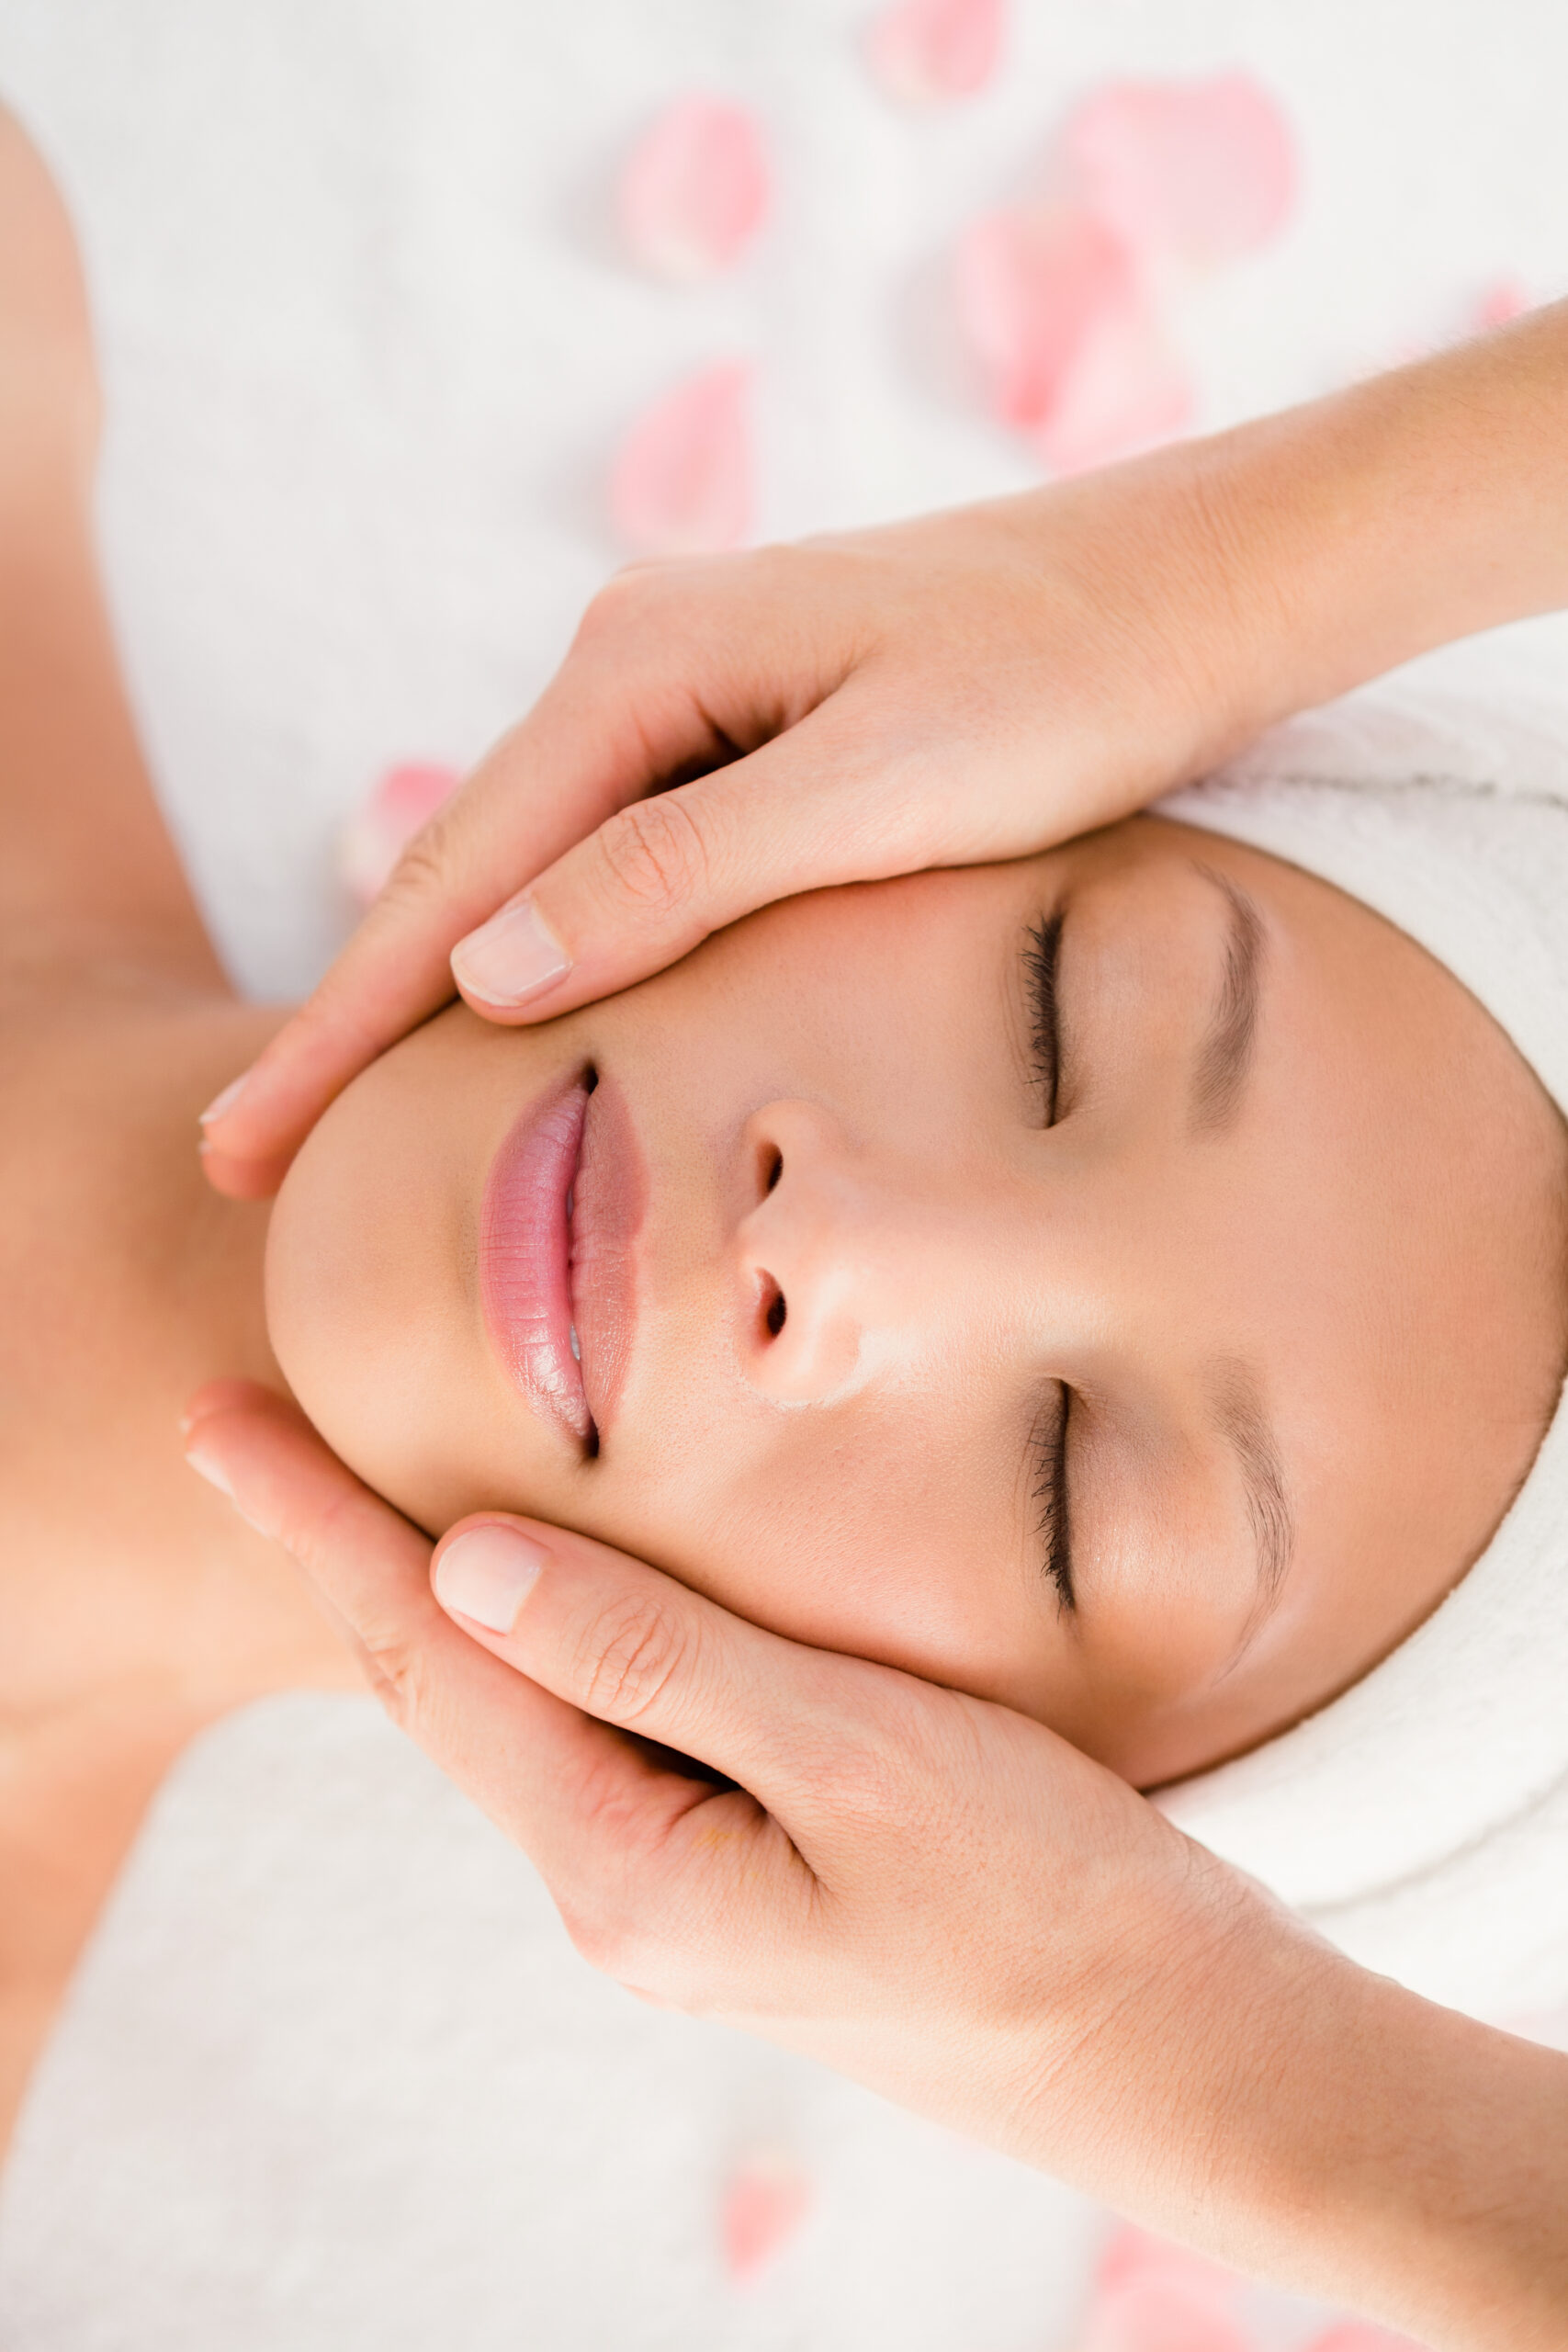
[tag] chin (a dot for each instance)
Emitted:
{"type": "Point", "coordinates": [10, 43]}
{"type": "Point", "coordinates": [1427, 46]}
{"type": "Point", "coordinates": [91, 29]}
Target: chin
{"type": "Point", "coordinates": [353, 1302]}
{"type": "Point", "coordinates": [371, 1290]}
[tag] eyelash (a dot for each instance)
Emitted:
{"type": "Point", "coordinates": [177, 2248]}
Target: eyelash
{"type": "Point", "coordinates": [1040, 953]}
{"type": "Point", "coordinates": [1051, 1497]}
{"type": "Point", "coordinates": [1041, 956]}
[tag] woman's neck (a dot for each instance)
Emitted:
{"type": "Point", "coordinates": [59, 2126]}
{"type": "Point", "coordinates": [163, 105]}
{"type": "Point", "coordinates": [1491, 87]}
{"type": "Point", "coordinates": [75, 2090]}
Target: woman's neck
{"type": "Point", "coordinates": [137, 1608]}
{"type": "Point", "coordinates": [125, 1284]}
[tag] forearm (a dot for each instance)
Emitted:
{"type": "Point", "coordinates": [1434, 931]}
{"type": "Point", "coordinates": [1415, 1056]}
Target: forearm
{"type": "Point", "coordinates": [1448, 2183]}
{"type": "Point", "coordinates": [1419, 507]}
{"type": "Point", "coordinates": [1216, 586]}
{"type": "Point", "coordinates": [1316, 2124]}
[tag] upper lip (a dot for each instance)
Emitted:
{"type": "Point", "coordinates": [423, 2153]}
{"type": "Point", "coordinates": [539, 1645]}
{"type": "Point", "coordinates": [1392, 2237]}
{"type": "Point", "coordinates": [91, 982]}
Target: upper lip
{"type": "Point", "coordinates": [562, 1204]}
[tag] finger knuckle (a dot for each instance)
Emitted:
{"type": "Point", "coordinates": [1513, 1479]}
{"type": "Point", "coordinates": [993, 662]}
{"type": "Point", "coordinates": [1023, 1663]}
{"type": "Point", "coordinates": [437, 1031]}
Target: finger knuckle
{"type": "Point", "coordinates": [613, 1931]}
{"type": "Point", "coordinates": [391, 1656]}
{"type": "Point", "coordinates": [621, 603]}
{"type": "Point", "coordinates": [881, 1779]}
{"type": "Point", "coordinates": [600, 1931]}
{"type": "Point", "coordinates": [632, 1652]}
{"type": "Point", "coordinates": [637, 1952]}
{"type": "Point", "coordinates": [634, 1907]}
{"type": "Point", "coordinates": [422, 874]}
{"type": "Point", "coordinates": [656, 855]}
{"type": "Point", "coordinates": [871, 1785]}
{"type": "Point", "coordinates": [396, 1671]}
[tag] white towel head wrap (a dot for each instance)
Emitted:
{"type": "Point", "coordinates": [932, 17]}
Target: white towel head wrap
{"type": "Point", "coordinates": [1421, 1819]}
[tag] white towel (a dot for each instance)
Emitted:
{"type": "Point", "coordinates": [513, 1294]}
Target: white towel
{"type": "Point", "coordinates": [332, 2079]}
{"type": "Point", "coordinates": [1421, 1819]}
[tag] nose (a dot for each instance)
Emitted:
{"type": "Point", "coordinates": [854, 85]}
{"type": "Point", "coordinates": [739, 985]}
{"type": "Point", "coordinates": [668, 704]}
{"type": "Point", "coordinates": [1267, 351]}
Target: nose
{"type": "Point", "coordinates": [826, 1258]}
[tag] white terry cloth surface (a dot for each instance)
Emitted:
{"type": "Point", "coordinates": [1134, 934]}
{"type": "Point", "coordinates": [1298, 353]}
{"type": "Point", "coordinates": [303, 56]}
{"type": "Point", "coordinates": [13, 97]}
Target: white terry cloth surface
{"type": "Point", "coordinates": [332, 2079]}
{"type": "Point", "coordinates": [370, 341]}
{"type": "Point", "coordinates": [1422, 1818]}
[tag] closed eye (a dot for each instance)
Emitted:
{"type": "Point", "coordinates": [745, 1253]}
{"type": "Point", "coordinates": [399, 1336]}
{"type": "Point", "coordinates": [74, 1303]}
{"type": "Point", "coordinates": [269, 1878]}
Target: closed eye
{"type": "Point", "coordinates": [1041, 954]}
{"type": "Point", "coordinates": [1051, 1493]}
{"type": "Point", "coordinates": [1042, 958]}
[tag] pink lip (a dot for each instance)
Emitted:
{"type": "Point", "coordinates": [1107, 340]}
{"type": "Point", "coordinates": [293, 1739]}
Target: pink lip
{"type": "Point", "coordinates": [608, 1200]}
{"type": "Point", "coordinates": [547, 1268]}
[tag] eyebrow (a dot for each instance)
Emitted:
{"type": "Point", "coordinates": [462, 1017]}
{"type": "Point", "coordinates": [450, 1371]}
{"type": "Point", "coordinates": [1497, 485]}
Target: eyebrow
{"type": "Point", "coordinates": [1244, 1424]}
{"type": "Point", "coordinates": [1220, 1072]}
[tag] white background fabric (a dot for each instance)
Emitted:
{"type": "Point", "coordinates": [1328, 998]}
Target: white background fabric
{"type": "Point", "coordinates": [335, 2082]}
{"type": "Point", "coordinates": [370, 341]}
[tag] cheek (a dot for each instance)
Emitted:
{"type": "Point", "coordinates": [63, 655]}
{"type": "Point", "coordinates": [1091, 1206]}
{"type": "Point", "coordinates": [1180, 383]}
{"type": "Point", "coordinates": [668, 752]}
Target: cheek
{"type": "Point", "coordinates": [347, 1298]}
{"type": "Point", "coordinates": [360, 1330]}
{"type": "Point", "coordinates": [865, 1538]}
{"type": "Point", "coordinates": [821, 995]}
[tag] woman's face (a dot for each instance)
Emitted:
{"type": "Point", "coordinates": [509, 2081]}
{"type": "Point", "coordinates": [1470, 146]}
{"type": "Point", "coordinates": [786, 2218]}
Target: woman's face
{"type": "Point", "coordinates": [1127, 1283]}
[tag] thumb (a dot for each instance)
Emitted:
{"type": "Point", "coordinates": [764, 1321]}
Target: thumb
{"type": "Point", "coordinates": [824, 804]}
{"type": "Point", "coordinates": [806, 1732]}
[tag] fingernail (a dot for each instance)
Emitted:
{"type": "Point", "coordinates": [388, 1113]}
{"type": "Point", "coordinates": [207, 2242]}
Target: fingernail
{"type": "Point", "coordinates": [226, 1101]}
{"type": "Point", "coordinates": [511, 957]}
{"type": "Point", "coordinates": [487, 1575]}
{"type": "Point", "coordinates": [205, 1467]}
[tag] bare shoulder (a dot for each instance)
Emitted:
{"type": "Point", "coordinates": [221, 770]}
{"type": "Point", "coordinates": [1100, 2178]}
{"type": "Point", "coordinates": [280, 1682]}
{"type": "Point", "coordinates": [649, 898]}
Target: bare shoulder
{"type": "Point", "coordinates": [85, 859]}
{"type": "Point", "coordinates": [49, 381]}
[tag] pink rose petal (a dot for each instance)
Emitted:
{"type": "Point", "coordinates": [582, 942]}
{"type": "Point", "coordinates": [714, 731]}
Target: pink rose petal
{"type": "Point", "coordinates": [762, 2206]}
{"type": "Point", "coordinates": [377, 835]}
{"type": "Point", "coordinates": [695, 191]}
{"type": "Point", "coordinates": [681, 484]}
{"type": "Point", "coordinates": [1155, 2296]}
{"type": "Point", "coordinates": [1504, 299]}
{"type": "Point", "coordinates": [1205, 171]}
{"type": "Point", "coordinates": [1133, 2253]}
{"type": "Point", "coordinates": [1128, 389]}
{"type": "Point", "coordinates": [1030, 283]}
{"type": "Point", "coordinates": [1058, 316]}
{"type": "Point", "coordinates": [924, 51]}
{"type": "Point", "coordinates": [1156, 2313]}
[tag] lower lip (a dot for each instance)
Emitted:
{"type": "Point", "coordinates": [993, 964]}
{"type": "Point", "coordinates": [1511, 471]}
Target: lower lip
{"type": "Point", "coordinates": [609, 1197]}
{"type": "Point", "coordinates": [525, 1255]}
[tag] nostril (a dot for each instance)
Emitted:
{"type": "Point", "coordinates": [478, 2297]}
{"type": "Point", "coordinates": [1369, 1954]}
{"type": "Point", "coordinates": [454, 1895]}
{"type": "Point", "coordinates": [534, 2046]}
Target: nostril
{"type": "Point", "coordinates": [773, 1172]}
{"type": "Point", "coordinates": [774, 1308]}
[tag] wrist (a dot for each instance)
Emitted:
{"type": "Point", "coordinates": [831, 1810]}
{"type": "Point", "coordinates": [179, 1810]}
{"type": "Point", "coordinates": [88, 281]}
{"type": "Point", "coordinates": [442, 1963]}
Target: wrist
{"type": "Point", "coordinates": [1146, 571]}
{"type": "Point", "coordinates": [1311, 2122]}
{"type": "Point", "coordinates": [1352, 534]}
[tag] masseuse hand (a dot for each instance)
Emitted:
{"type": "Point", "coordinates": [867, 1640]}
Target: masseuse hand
{"type": "Point", "coordinates": [974, 685]}
{"type": "Point", "coordinates": [957, 689]}
{"type": "Point", "coordinates": [943, 1899]}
